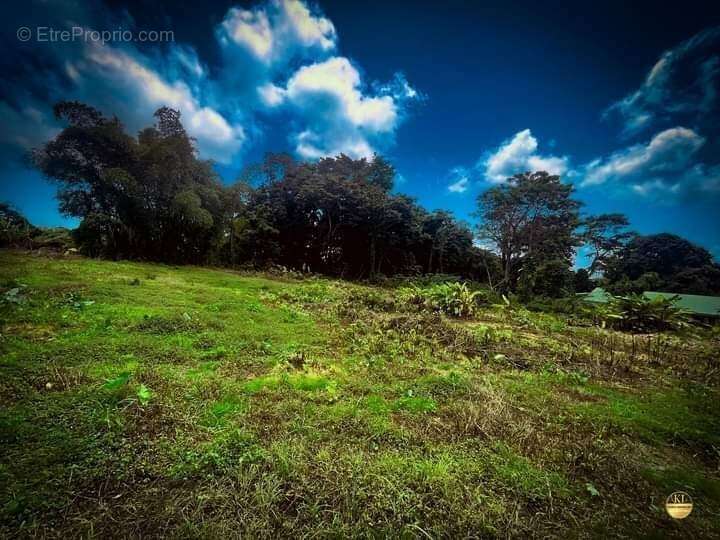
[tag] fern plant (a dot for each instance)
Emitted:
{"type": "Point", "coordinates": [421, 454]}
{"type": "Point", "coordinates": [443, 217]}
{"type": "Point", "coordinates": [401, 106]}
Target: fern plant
{"type": "Point", "coordinates": [637, 313]}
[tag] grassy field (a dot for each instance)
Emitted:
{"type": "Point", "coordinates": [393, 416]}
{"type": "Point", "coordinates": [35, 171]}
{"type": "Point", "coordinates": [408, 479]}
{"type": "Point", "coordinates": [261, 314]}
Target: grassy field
{"type": "Point", "coordinates": [149, 400]}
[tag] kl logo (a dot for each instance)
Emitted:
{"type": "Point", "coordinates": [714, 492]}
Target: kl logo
{"type": "Point", "coordinates": [679, 505]}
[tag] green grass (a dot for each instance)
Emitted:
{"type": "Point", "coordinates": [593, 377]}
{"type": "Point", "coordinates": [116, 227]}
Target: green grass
{"type": "Point", "coordinates": [143, 400]}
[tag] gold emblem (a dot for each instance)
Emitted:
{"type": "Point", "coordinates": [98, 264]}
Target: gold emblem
{"type": "Point", "coordinates": [679, 505]}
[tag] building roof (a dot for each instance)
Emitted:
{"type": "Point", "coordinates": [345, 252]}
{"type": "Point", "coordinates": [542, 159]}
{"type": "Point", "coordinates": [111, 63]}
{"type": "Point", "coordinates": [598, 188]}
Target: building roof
{"type": "Point", "coordinates": [597, 295]}
{"type": "Point", "coordinates": [694, 303]}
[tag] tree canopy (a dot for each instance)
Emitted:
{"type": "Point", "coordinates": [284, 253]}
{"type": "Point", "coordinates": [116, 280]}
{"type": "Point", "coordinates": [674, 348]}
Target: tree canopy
{"type": "Point", "coordinates": [150, 197]}
{"type": "Point", "coordinates": [531, 220]}
{"type": "Point", "coordinates": [663, 262]}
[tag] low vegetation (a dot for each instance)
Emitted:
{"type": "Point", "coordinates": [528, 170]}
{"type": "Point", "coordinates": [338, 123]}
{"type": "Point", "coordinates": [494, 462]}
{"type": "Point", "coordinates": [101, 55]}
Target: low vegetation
{"type": "Point", "coordinates": [150, 400]}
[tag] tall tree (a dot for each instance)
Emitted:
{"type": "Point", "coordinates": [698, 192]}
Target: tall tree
{"type": "Point", "coordinates": [530, 219]}
{"type": "Point", "coordinates": [604, 234]}
{"type": "Point", "coordinates": [148, 197]}
{"type": "Point", "coordinates": [666, 262]}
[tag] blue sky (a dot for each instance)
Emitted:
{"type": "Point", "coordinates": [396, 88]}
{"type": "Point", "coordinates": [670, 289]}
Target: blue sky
{"type": "Point", "coordinates": [622, 101]}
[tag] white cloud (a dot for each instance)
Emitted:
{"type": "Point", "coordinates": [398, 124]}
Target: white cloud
{"type": "Point", "coordinates": [340, 117]}
{"type": "Point", "coordinates": [459, 180]}
{"type": "Point", "coordinates": [271, 95]}
{"type": "Point", "coordinates": [670, 151]}
{"type": "Point", "coordinates": [289, 61]}
{"type": "Point", "coordinates": [313, 145]}
{"type": "Point", "coordinates": [140, 90]}
{"type": "Point", "coordinates": [278, 63]}
{"type": "Point", "coordinates": [683, 81]}
{"type": "Point", "coordinates": [460, 186]}
{"type": "Point", "coordinates": [275, 32]}
{"type": "Point", "coordinates": [310, 30]}
{"type": "Point", "coordinates": [518, 155]}
{"type": "Point", "coordinates": [664, 167]}
{"type": "Point", "coordinates": [338, 79]}
{"type": "Point", "coordinates": [250, 29]}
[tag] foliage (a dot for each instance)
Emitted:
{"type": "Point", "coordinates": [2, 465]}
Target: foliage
{"type": "Point", "coordinates": [531, 220]}
{"type": "Point", "coordinates": [605, 235]}
{"type": "Point", "coordinates": [15, 229]}
{"type": "Point", "coordinates": [640, 314]}
{"type": "Point", "coordinates": [663, 262]}
{"type": "Point", "coordinates": [582, 282]}
{"type": "Point", "coordinates": [146, 197]}
{"type": "Point", "coordinates": [17, 232]}
{"type": "Point", "coordinates": [549, 278]}
{"type": "Point", "coordinates": [454, 298]}
{"type": "Point", "coordinates": [150, 197]}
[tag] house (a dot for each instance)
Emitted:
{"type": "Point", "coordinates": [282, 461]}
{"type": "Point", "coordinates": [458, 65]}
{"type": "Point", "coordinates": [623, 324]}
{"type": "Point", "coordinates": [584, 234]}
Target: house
{"type": "Point", "coordinates": [703, 306]}
{"type": "Point", "coordinates": [695, 304]}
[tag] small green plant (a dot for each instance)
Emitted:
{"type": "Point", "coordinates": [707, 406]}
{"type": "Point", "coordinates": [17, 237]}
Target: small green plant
{"type": "Point", "coordinates": [455, 299]}
{"type": "Point", "coordinates": [119, 386]}
{"type": "Point", "coordinates": [143, 394]}
{"type": "Point", "coordinates": [118, 382]}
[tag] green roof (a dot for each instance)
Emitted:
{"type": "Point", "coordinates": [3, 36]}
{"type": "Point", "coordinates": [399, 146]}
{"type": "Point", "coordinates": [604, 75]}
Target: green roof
{"type": "Point", "coordinates": [694, 303]}
{"type": "Point", "coordinates": [597, 295]}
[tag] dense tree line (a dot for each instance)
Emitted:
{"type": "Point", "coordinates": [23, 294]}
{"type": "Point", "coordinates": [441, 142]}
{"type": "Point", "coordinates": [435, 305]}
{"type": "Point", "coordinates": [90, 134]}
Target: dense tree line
{"type": "Point", "coordinates": [150, 197]}
{"type": "Point", "coordinates": [662, 262]}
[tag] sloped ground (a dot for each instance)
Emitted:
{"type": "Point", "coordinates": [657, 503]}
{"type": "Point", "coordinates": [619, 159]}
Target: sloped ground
{"type": "Point", "coordinates": [147, 400]}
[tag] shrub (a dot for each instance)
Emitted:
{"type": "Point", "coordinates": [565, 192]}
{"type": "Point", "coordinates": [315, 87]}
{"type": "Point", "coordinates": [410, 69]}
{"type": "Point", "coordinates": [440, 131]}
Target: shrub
{"type": "Point", "coordinates": [640, 314]}
{"type": "Point", "coordinates": [454, 299]}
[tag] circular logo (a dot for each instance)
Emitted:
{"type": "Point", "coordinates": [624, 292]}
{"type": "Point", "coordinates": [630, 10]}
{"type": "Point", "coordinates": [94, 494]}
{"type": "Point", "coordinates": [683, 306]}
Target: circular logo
{"type": "Point", "coordinates": [24, 33]}
{"type": "Point", "coordinates": [678, 505]}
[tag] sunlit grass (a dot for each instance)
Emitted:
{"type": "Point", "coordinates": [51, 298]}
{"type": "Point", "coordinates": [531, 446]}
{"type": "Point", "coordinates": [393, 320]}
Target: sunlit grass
{"type": "Point", "coordinates": [141, 399]}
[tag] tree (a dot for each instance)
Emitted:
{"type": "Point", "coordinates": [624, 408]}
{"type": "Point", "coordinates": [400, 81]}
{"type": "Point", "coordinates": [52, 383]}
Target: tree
{"type": "Point", "coordinates": [531, 220]}
{"type": "Point", "coordinates": [664, 262]}
{"type": "Point", "coordinates": [582, 281]}
{"type": "Point", "coordinates": [15, 229]}
{"type": "Point", "coordinates": [605, 235]}
{"type": "Point", "coordinates": [338, 217]}
{"type": "Point", "coordinates": [148, 197]}
{"type": "Point", "coordinates": [381, 173]}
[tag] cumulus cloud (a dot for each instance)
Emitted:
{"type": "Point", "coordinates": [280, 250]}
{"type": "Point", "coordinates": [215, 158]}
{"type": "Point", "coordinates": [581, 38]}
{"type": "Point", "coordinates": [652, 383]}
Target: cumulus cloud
{"type": "Point", "coordinates": [667, 152]}
{"type": "Point", "coordinates": [279, 66]}
{"type": "Point", "coordinates": [250, 29]}
{"type": "Point", "coordinates": [682, 84]}
{"type": "Point", "coordinates": [288, 55]}
{"type": "Point", "coordinates": [137, 90]}
{"type": "Point", "coordinates": [339, 116]}
{"type": "Point", "coordinates": [667, 164]}
{"type": "Point", "coordinates": [518, 155]}
{"type": "Point", "coordinates": [271, 95]}
{"type": "Point", "coordinates": [275, 32]}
